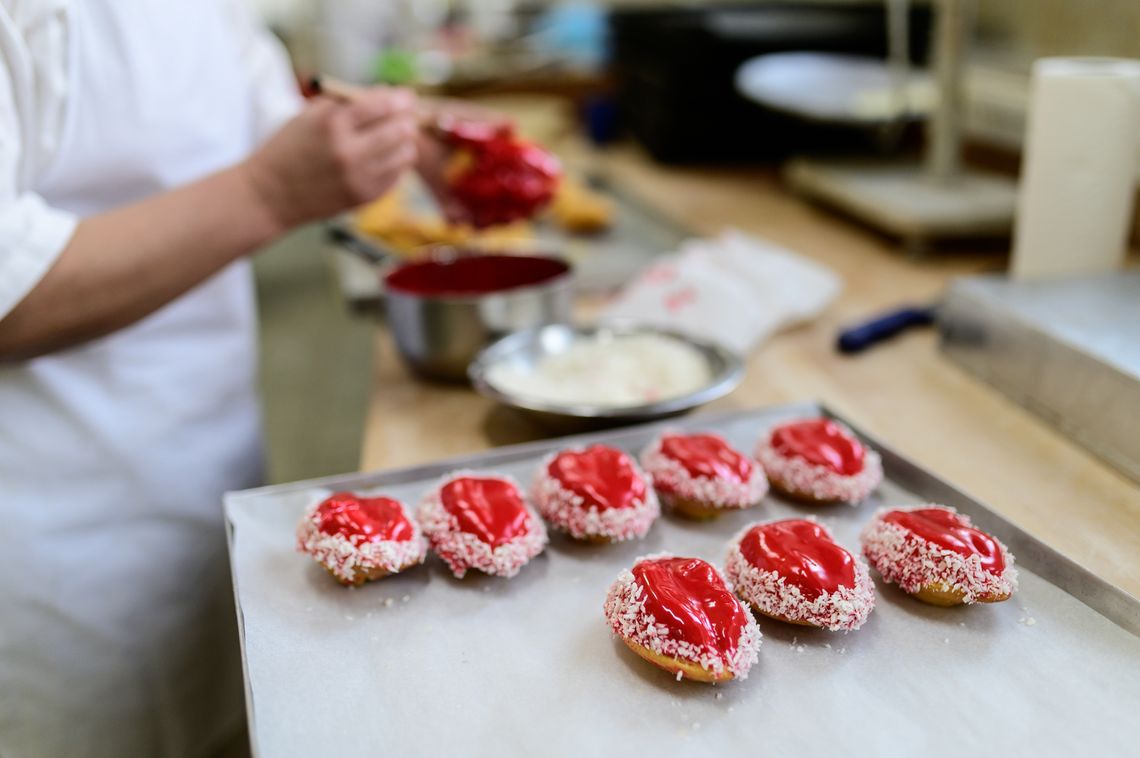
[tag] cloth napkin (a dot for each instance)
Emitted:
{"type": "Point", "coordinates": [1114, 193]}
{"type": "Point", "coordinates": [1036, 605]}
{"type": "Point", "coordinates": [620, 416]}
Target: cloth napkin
{"type": "Point", "coordinates": [734, 289]}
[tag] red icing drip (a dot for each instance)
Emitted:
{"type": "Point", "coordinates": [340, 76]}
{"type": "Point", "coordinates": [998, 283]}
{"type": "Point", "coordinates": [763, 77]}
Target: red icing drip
{"type": "Point", "coordinates": [948, 530]}
{"type": "Point", "coordinates": [491, 509]}
{"type": "Point", "coordinates": [508, 178]}
{"type": "Point", "coordinates": [822, 442]}
{"type": "Point", "coordinates": [802, 553]}
{"type": "Point", "coordinates": [364, 519]}
{"type": "Point", "coordinates": [688, 596]}
{"type": "Point", "coordinates": [707, 455]}
{"type": "Point", "coordinates": [474, 275]}
{"type": "Point", "coordinates": [602, 476]}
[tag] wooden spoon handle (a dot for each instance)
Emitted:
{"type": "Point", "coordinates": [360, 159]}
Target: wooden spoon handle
{"type": "Point", "coordinates": [344, 92]}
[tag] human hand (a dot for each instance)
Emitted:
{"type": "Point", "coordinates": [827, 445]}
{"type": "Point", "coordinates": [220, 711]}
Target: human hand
{"type": "Point", "coordinates": [334, 155]}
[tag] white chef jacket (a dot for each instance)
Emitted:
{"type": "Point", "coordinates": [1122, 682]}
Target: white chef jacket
{"type": "Point", "coordinates": [117, 634]}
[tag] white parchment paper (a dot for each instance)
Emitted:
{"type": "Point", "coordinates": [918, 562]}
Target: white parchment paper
{"type": "Point", "coordinates": [423, 664]}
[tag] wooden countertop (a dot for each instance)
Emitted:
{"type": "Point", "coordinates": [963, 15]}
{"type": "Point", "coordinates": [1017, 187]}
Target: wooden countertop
{"type": "Point", "coordinates": [903, 392]}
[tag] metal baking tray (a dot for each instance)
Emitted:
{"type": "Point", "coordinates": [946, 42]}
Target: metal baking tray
{"type": "Point", "coordinates": [602, 262]}
{"type": "Point", "coordinates": [423, 664]}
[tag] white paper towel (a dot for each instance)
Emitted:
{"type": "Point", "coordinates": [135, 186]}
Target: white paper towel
{"type": "Point", "coordinates": [1079, 174]}
{"type": "Point", "coordinates": [734, 289]}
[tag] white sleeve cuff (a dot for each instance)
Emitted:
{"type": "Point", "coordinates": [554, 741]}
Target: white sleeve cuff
{"type": "Point", "coordinates": [32, 235]}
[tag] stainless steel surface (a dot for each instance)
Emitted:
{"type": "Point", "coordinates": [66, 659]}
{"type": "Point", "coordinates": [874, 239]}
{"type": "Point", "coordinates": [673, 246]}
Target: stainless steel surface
{"type": "Point", "coordinates": [952, 27]}
{"type": "Point", "coordinates": [527, 666]}
{"type": "Point", "coordinates": [526, 349]}
{"type": "Point", "coordinates": [939, 199]}
{"type": "Point", "coordinates": [836, 88]}
{"type": "Point", "coordinates": [439, 335]}
{"type": "Point", "coordinates": [903, 201]}
{"type": "Point", "coordinates": [1067, 350]}
{"type": "Point", "coordinates": [898, 54]}
{"type": "Point", "coordinates": [602, 262]}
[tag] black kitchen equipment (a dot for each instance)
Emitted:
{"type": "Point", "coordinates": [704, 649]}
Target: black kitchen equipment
{"type": "Point", "coordinates": [675, 72]}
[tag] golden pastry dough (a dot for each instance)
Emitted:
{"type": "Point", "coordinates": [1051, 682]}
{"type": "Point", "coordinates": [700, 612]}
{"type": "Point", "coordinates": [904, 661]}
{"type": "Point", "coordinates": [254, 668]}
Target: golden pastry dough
{"type": "Point", "coordinates": [389, 220]}
{"type": "Point", "coordinates": [688, 669]}
{"type": "Point", "coordinates": [942, 596]}
{"type": "Point", "coordinates": [362, 575]}
{"type": "Point", "coordinates": [581, 210]}
{"type": "Point", "coordinates": [788, 490]}
{"type": "Point", "coordinates": [785, 619]}
{"type": "Point", "coordinates": [691, 508]}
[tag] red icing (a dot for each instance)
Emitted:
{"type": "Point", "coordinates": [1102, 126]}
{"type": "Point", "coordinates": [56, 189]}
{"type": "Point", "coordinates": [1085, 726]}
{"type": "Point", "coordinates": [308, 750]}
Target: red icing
{"type": "Point", "coordinates": [689, 597]}
{"type": "Point", "coordinates": [602, 476]}
{"type": "Point", "coordinates": [822, 442]}
{"type": "Point", "coordinates": [948, 530]}
{"type": "Point", "coordinates": [364, 519]}
{"type": "Point", "coordinates": [707, 455]}
{"type": "Point", "coordinates": [802, 553]}
{"type": "Point", "coordinates": [474, 275]}
{"type": "Point", "coordinates": [491, 509]}
{"type": "Point", "coordinates": [508, 178]}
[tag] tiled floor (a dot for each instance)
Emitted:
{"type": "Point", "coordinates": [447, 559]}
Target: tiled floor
{"type": "Point", "coordinates": [316, 362]}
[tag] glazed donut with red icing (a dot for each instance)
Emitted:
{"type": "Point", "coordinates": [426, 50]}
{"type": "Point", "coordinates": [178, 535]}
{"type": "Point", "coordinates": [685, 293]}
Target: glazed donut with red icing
{"type": "Point", "coordinates": [358, 539]}
{"type": "Point", "coordinates": [483, 522]}
{"type": "Point", "coordinates": [935, 554]}
{"type": "Point", "coordinates": [497, 176]}
{"type": "Point", "coordinates": [795, 571]}
{"type": "Point", "coordinates": [595, 493]}
{"type": "Point", "coordinates": [701, 475]}
{"type": "Point", "coordinates": [819, 460]}
{"type": "Point", "coordinates": [680, 615]}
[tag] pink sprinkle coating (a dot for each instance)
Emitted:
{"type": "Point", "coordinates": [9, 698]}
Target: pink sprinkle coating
{"type": "Point", "coordinates": [904, 558]}
{"type": "Point", "coordinates": [345, 560]}
{"type": "Point", "coordinates": [625, 611]}
{"type": "Point", "coordinates": [568, 511]}
{"type": "Point", "coordinates": [669, 475]}
{"type": "Point", "coordinates": [846, 609]}
{"type": "Point", "coordinates": [462, 550]}
{"type": "Point", "coordinates": [804, 478]}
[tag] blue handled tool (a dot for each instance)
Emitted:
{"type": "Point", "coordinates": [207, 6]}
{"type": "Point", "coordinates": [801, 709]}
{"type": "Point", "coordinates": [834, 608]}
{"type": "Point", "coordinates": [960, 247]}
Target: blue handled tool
{"type": "Point", "coordinates": [858, 338]}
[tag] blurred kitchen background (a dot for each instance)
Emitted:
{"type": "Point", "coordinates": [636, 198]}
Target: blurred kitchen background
{"type": "Point", "coordinates": [663, 77]}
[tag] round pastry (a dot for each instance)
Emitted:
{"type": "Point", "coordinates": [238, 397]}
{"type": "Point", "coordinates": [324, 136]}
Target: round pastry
{"type": "Point", "coordinates": [358, 539]}
{"type": "Point", "coordinates": [819, 460]}
{"type": "Point", "coordinates": [701, 475]}
{"type": "Point", "coordinates": [679, 614]}
{"type": "Point", "coordinates": [935, 554]}
{"type": "Point", "coordinates": [596, 493]}
{"type": "Point", "coordinates": [483, 522]}
{"type": "Point", "coordinates": [795, 571]}
{"type": "Point", "coordinates": [496, 176]}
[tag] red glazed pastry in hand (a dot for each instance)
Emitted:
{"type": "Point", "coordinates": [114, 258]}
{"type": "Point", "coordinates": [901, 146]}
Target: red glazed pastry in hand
{"type": "Point", "coordinates": [679, 614]}
{"type": "Point", "coordinates": [819, 460]}
{"type": "Point", "coordinates": [795, 571]}
{"type": "Point", "coordinates": [701, 475]}
{"type": "Point", "coordinates": [596, 493]}
{"type": "Point", "coordinates": [497, 177]}
{"type": "Point", "coordinates": [936, 554]}
{"type": "Point", "coordinates": [358, 539]}
{"type": "Point", "coordinates": [483, 522]}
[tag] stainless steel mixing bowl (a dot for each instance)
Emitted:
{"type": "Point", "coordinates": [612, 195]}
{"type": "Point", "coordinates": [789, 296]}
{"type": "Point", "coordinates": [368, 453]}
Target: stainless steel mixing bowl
{"type": "Point", "coordinates": [526, 350]}
{"type": "Point", "coordinates": [443, 311]}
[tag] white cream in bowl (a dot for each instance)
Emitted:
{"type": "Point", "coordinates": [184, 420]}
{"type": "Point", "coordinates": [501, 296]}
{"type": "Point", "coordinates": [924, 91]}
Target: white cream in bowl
{"type": "Point", "coordinates": [610, 371]}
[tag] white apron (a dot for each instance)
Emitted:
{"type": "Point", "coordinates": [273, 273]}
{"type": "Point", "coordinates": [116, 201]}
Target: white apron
{"type": "Point", "coordinates": [117, 634]}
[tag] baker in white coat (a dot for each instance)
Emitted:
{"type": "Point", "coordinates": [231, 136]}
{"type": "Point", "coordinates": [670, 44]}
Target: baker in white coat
{"type": "Point", "coordinates": [135, 176]}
